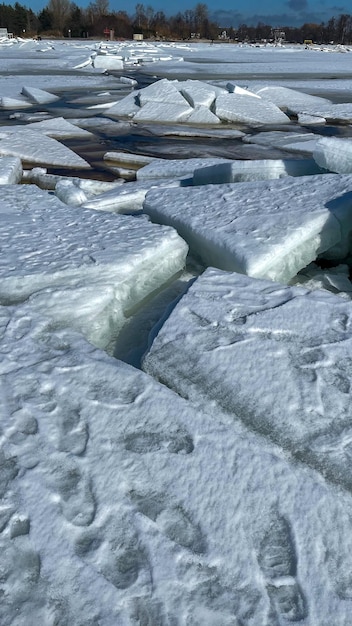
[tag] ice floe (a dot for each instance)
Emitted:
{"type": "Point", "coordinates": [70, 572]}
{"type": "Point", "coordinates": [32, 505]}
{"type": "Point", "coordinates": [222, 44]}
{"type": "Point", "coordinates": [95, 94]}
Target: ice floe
{"type": "Point", "coordinates": [127, 257]}
{"type": "Point", "coordinates": [295, 220]}
{"type": "Point", "coordinates": [278, 358]}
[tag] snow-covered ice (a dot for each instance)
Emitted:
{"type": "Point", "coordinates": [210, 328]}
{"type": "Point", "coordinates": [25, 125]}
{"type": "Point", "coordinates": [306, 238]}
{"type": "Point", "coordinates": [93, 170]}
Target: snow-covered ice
{"type": "Point", "coordinates": [227, 225]}
{"type": "Point", "coordinates": [121, 502]}
{"type": "Point", "coordinates": [127, 258]}
{"type": "Point", "coordinates": [243, 171]}
{"type": "Point", "coordinates": [276, 357]}
{"type": "Point", "coordinates": [334, 154]}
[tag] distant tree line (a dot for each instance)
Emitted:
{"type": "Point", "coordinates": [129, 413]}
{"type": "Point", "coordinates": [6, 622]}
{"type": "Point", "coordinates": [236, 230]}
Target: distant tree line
{"type": "Point", "coordinates": [65, 18]}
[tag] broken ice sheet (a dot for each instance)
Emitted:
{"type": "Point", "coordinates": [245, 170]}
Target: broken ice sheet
{"type": "Point", "coordinates": [147, 506]}
{"type": "Point", "coordinates": [266, 229]}
{"type": "Point", "coordinates": [49, 245]}
{"type": "Point", "coordinates": [278, 358]}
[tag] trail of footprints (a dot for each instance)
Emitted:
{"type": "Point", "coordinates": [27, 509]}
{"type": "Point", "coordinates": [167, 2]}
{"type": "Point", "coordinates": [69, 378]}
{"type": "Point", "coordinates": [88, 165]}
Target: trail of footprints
{"type": "Point", "coordinates": [114, 547]}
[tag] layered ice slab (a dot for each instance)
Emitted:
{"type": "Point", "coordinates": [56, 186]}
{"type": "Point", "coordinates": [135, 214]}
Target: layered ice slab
{"type": "Point", "coordinates": [234, 107]}
{"type": "Point", "coordinates": [277, 358]}
{"type": "Point", "coordinates": [334, 154]}
{"type": "Point", "coordinates": [267, 229]}
{"type": "Point", "coordinates": [112, 260]}
{"type": "Point", "coordinates": [33, 146]}
{"type": "Point", "coordinates": [152, 511]}
{"type": "Point", "coordinates": [244, 171]}
{"type": "Point", "coordinates": [10, 170]}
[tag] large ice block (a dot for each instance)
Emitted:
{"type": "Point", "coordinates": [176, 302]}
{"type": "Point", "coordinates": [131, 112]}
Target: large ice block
{"type": "Point", "coordinates": [334, 154]}
{"type": "Point", "coordinates": [266, 229]}
{"type": "Point", "coordinates": [233, 107]}
{"type": "Point", "coordinates": [276, 357]}
{"type": "Point", "coordinates": [244, 171]}
{"type": "Point", "coordinates": [48, 245]}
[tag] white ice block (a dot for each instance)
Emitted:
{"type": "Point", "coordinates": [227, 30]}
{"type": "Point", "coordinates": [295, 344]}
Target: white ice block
{"type": "Point", "coordinates": [275, 357]}
{"type": "Point", "coordinates": [198, 93]}
{"type": "Point", "coordinates": [39, 96]}
{"type": "Point", "coordinates": [234, 107]}
{"type": "Point", "coordinates": [108, 62]}
{"type": "Point", "coordinates": [202, 115]}
{"type": "Point", "coordinates": [267, 229]}
{"type": "Point", "coordinates": [175, 168]}
{"type": "Point", "coordinates": [127, 107]}
{"type": "Point", "coordinates": [164, 112]}
{"type": "Point", "coordinates": [244, 171]}
{"type": "Point", "coordinates": [334, 154]}
{"type": "Point", "coordinates": [39, 238]}
{"type": "Point", "coordinates": [127, 198]}
{"type": "Point", "coordinates": [289, 99]}
{"type": "Point", "coordinates": [10, 170]}
{"type": "Point", "coordinates": [161, 91]}
{"type": "Point", "coordinates": [35, 147]}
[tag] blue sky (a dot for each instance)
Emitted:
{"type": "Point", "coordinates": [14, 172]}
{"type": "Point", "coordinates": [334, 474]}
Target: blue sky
{"type": "Point", "coordinates": [274, 12]}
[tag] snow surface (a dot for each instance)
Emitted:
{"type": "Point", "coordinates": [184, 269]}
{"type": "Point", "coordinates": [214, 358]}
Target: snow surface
{"type": "Point", "coordinates": [121, 502]}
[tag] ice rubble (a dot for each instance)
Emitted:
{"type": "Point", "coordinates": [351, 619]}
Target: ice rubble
{"type": "Point", "coordinates": [228, 227]}
{"type": "Point", "coordinates": [196, 102]}
{"type": "Point", "coordinates": [278, 358]}
{"type": "Point", "coordinates": [119, 258]}
{"type": "Point", "coordinates": [151, 510]}
{"type": "Point", "coordinates": [116, 487]}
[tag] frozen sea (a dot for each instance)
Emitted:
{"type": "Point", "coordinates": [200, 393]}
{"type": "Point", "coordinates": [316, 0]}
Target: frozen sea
{"type": "Point", "coordinates": [175, 334]}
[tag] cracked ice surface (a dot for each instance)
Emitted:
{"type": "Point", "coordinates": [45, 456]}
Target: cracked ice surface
{"type": "Point", "coordinates": [276, 357]}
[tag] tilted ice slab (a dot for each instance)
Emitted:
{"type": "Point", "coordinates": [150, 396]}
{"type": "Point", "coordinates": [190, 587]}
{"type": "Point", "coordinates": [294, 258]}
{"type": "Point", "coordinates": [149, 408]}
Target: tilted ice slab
{"type": "Point", "coordinates": [243, 171]}
{"type": "Point", "coordinates": [10, 170]}
{"type": "Point", "coordinates": [115, 487]}
{"type": "Point", "coordinates": [161, 91]}
{"type": "Point", "coordinates": [279, 138]}
{"type": "Point", "coordinates": [127, 107]}
{"type": "Point", "coordinates": [202, 115]}
{"type": "Point", "coordinates": [334, 154]}
{"type": "Point", "coordinates": [7, 102]}
{"type": "Point", "coordinates": [35, 147]}
{"type": "Point", "coordinates": [57, 128]}
{"type": "Point", "coordinates": [39, 96]}
{"type": "Point", "coordinates": [290, 99]}
{"type": "Point", "coordinates": [47, 244]}
{"type": "Point", "coordinates": [278, 358]}
{"type": "Point", "coordinates": [267, 229]}
{"type": "Point", "coordinates": [234, 107]}
{"type": "Point", "coordinates": [331, 112]}
{"type": "Point", "coordinates": [198, 93]}
{"type": "Point", "coordinates": [175, 168]}
{"type": "Point", "coordinates": [164, 112]}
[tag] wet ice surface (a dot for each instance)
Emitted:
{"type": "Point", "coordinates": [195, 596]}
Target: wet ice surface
{"type": "Point", "coordinates": [225, 500]}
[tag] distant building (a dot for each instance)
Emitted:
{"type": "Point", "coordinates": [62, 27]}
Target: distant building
{"type": "Point", "coordinates": [4, 33]}
{"type": "Point", "coordinates": [137, 37]}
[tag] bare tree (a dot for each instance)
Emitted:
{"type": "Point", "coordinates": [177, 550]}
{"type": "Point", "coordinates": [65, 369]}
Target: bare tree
{"type": "Point", "coordinates": [59, 11]}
